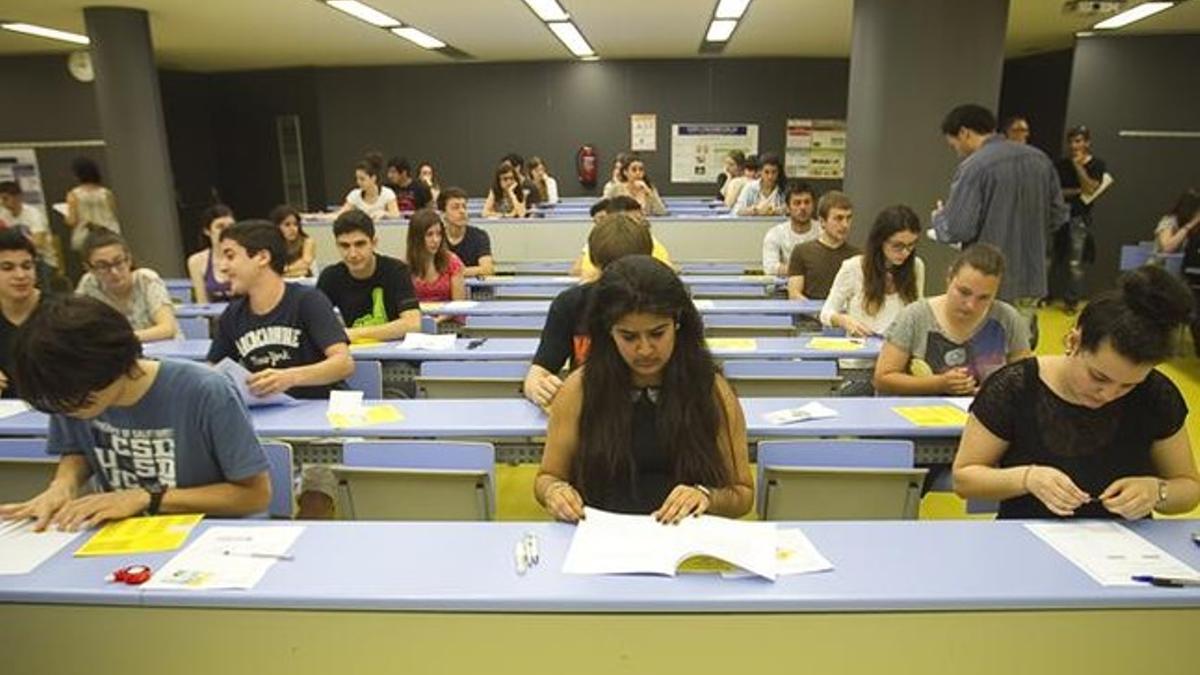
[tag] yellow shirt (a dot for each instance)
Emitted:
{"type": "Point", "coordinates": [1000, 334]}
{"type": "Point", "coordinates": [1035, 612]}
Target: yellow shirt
{"type": "Point", "coordinates": [589, 271]}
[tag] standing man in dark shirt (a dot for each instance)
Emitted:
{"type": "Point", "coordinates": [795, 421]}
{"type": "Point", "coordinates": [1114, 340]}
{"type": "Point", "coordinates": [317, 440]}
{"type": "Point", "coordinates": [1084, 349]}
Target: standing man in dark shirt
{"type": "Point", "coordinates": [1082, 176]}
{"type": "Point", "coordinates": [471, 244]}
{"type": "Point", "coordinates": [411, 194]}
{"type": "Point", "coordinates": [286, 335]}
{"type": "Point", "coordinates": [564, 335]}
{"type": "Point", "coordinates": [374, 292]}
{"type": "Point", "coordinates": [19, 296]}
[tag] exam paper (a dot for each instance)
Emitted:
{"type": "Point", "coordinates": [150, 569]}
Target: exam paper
{"type": "Point", "coordinates": [458, 305]}
{"type": "Point", "coordinates": [703, 304]}
{"type": "Point", "coordinates": [22, 549]}
{"type": "Point", "coordinates": [1110, 553]}
{"type": "Point", "coordinates": [809, 411]}
{"type": "Point", "coordinates": [237, 373]}
{"type": "Point", "coordinates": [612, 543]}
{"type": "Point", "coordinates": [434, 343]}
{"type": "Point", "coordinates": [226, 557]}
{"type": "Point", "coordinates": [961, 402]}
{"type": "Point", "coordinates": [145, 534]}
{"type": "Point", "coordinates": [12, 406]}
{"type": "Point", "coordinates": [794, 554]}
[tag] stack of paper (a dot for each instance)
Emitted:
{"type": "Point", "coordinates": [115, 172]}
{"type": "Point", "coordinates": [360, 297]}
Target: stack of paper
{"type": "Point", "coordinates": [22, 549]}
{"type": "Point", "coordinates": [610, 543]}
{"type": "Point", "coordinates": [433, 343]}
{"type": "Point", "coordinates": [1110, 553]}
{"type": "Point", "coordinates": [149, 534]}
{"type": "Point", "coordinates": [226, 557]}
{"type": "Point", "coordinates": [809, 411]}
{"type": "Point", "coordinates": [238, 374]}
{"type": "Point", "coordinates": [346, 411]}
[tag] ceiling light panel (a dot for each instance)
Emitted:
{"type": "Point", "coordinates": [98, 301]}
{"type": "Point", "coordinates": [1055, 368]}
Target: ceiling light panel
{"type": "Point", "coordinates": [732, 9]}
{"type": "Point", "coordinates": [720, 30]}
{"type": "Point", "coordinates": [572, 38]}
{"type": "Point", "coordinates": [1133, 14]}
{"type": "Point", "coordinates": [363, 12]}
{"type": "Point", "coordinates": [548, 10]}
{"type": "Point", "coordinates": [42, 31]}
{"type": "Point", "coordinates": [420, 37]}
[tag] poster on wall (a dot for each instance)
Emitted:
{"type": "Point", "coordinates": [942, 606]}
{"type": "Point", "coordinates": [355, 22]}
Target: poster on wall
{"type": "Point", "coordinates": [698, 150]}
{"type": "Point", "coordinates": [643, 132]}
{"type": "Point", "coordinates": [815, 148]}
{"type": "Point", "coordinates": [20, 166]}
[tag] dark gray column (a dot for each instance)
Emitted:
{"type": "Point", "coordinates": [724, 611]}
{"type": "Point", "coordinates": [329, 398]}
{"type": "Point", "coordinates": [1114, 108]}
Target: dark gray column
{"type": "Point", "coordinates": [910, 63]}
{"type": "Point", "coordinates": [131, 119]}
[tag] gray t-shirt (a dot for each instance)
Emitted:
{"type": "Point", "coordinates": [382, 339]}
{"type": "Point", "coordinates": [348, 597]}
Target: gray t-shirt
{"type": "Point", "coordinates": [917, 332]}
{"type": "Point", "coordinates": [149, 294]}
{"type": "Point", "coordinates": [189, 430]}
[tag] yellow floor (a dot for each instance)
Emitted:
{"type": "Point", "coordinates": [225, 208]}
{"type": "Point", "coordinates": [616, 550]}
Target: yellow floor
{"type": "Point", "coordinates": [515, 483]}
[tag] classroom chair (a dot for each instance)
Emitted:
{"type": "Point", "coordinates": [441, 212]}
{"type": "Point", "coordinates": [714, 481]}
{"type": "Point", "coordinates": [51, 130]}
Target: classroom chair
{"type": "Point", "coordinates": [194, 327]}
{"type": "Point", "coordinates": [25, 468]}
{"type": "Point", "coordinates": [367, 378]}
{"type": "Point", "coordinates": [1134, 256]}
{"type": "Point", "coordinates": [280, 472]}
{"type": "Point", "coordinates": [503, 326]}
{"type": "Point", "coordinates": [749, 325]}
{"type": "Point", "coordinates": [472, 379]}
{"type": "Point", "coordinates": [764, 378]}
{"type": "Point", "coordinates": [838, 480]}
{"type": "Point", "coordinates": [429, 324]}
{"type": "Point", "coordinates": [178, 294]}
{"type": "Point", "coordinates": [416, 480]}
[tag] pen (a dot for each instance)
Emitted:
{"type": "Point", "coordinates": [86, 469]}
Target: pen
{"type": "Point", "coordinates": [257, 554]}
{"type": "Point", "coordinates": [1166, 582]}
{"type": "Point", "coordinates": [520, 554]}
{"type": "Point", "coordinates": [476, 342]}
{"type": "Point", "coordinates": [531, 548]}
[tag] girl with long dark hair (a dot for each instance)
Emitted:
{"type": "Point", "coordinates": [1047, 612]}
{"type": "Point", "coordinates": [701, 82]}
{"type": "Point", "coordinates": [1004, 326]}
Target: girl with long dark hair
{"type": "Point", "coordinates": [648, 424]}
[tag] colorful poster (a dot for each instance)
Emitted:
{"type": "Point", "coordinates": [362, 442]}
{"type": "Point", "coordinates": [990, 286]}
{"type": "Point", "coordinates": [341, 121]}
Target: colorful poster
{"type": "Point", "coordinates": [20, 165]}
{"type": "Point", "coordinates": [815, 148]}
{"type": "Point", "coordinates": [698, 150]}
{"type": "Point", "coordinates": [643, 132]}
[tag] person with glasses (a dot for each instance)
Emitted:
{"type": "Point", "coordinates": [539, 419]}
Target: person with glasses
{"type": "Point", "coordinates": [19, 297]}
{"type": "Point", "coordinates": [1016, 129]}
{"type": "Point", "coordinates": [951, 343]}
{"type": "Point", "coordinates": [139, 294]}
{"type": "Point", "coordinates": [870, 289]}
{"type": "Point", "coordinates": [505, 199]}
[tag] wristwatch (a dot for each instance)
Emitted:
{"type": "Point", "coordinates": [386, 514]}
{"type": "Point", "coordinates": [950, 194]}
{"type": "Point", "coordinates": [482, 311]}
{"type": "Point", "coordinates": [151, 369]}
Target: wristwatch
{"type": "Point", "coordinates": [156, 491]}
{"type": "Point", "coordinates": [1162, 493]}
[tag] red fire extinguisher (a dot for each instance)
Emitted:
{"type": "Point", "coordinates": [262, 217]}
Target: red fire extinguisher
{"type": "Point", "coordinates": [586, 162]}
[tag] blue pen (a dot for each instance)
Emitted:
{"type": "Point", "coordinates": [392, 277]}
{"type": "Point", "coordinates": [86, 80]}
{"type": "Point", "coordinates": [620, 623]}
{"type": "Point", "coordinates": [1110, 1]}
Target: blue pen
{"type": "Point", "coordinates": [476, 343]}
{"type": "Point", "coordinates": [1165, 582]}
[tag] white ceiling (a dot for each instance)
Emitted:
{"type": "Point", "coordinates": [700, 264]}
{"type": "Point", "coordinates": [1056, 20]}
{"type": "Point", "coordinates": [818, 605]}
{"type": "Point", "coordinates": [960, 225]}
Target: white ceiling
{"type": "Point", "coordinates": [214, 35]}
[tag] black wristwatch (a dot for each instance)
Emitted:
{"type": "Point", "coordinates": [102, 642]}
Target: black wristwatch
{"type": "Point", "coordinates": [156, 491]}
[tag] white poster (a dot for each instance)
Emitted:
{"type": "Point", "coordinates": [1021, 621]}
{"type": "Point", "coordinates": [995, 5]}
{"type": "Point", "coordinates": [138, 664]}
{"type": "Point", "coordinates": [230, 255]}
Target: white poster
{"type": "Point", "coordinates": [20, 166]}
{"type": "Point", "coordinates": [698, 150]}
{"type": "Point", "coordinates": [643, 132]}
{"type": "Point", "coordinates": [815, 148]}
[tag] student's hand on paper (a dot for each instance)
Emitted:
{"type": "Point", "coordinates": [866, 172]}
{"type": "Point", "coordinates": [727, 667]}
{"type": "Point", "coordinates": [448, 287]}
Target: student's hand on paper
{"type": "Point", "coordinates": [270, 381]}
{"type": "Point", "coordinates": [958, 382]}
{"type": "Point", "coordinates": [855, 328]}
{"type": "Point", "coordinates": [1131, 497]}
{"type": "Point", "coordinates": [91, 510]}
{"type": "Point", "coordinates": [543, 389]}
{"type": "Point", "coordinates": [684, 501]}
{"type": "Point", "coordinates": [1055, 489]}
{"type": "Point", "coordinates": [41, 508]}
{"type": "Point", "coordinates": [564, 503]}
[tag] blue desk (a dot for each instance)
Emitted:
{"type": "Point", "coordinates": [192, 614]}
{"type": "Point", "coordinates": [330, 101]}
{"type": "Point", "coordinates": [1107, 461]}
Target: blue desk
{"type": "Point", "coordinates": [706, 307]}
{"type": "Point", "coordinates": [523, 349]}
{"type": "Point", "coordinates": [407, 597]}
{"type": "Point", "coordinates": [207, 310]}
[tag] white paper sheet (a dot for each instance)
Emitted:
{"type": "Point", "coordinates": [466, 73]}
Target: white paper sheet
{"type": "Point", "coordinates": [22, 549]}
{"type": "Point", "coordinates": [12, 406]}
{"type": "Point", "coordinates": [795, 554]}
{"type": "Point", "coordinates": [611, 543]}
{"type": "Point", "coordinates": [227, 557]}
{"type": "Point", "coordinates": [808, 411]}
{"type": "Point", "coordinates": [962, 402]}
{"type": "Point", "coordinates": [703, 304]}
{"type": "Point", "coordinates": [1109, 552]}
{"type": "Point", "coordinates": [458, 305]}
{"type": "Point", "coordinates": [237, 373]}
{"type": "Point", "coordinates": [425, 341]}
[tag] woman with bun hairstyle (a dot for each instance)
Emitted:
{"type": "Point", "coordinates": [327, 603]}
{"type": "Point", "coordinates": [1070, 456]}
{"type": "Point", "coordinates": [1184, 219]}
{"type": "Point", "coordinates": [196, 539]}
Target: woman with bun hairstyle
{"type": "Point", "coordinates": [1096, 432]}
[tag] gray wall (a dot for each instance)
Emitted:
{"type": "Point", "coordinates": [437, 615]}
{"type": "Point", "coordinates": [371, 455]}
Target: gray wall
{"type": "Point", "coordinates": [464, 117]}
{"type": "Point", "coordinates": [1035, 87]}
{"type": "Point", "coordinates": [1147, 83]}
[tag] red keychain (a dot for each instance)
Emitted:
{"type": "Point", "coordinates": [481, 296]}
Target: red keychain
{"type": "Point", "coordinates": [134, 575]}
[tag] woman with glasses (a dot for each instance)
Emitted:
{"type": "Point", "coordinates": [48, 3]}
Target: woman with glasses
{"type": "Point", "coordinates": [870, 289]}
{"type": "Point", "coordinates": [139, 294]}
{"type": "Point", "coordinates": [505, 199]}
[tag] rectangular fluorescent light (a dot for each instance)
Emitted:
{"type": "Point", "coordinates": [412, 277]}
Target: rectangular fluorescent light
{"type": "Point", "coordinates": [363, 12]}
{"type": "Point", "coordinates": [720, 30]}
{"type": "Point", "coordinates": [1133, 14]}
{"type": "Point", "coordinates": [548, 10]}
{"type": "Point", "coordinates": [420, 37]}
{"type": "Point", "coordinates": [732, 9]}
{"type": "Point", "coordinates": [42, 31]}
{"type": "Point", "coordinates": [572, 38]}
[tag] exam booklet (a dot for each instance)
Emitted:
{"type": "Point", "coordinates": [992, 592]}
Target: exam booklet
{"type": "Point", "coordinates": [237, 374]}
{"type": "Point", "coordinates": [612, 543]}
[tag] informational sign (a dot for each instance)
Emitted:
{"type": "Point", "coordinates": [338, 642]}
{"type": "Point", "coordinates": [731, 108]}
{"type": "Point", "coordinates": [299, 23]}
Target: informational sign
{"type": "Point", "coordinates": [815, 148]}
{"type": "Point", "coordinates": [698, 150]}
{"type": "Point", "coordinates": [20, 165]}
{"type": "Point", "coordinates": [643, 132]}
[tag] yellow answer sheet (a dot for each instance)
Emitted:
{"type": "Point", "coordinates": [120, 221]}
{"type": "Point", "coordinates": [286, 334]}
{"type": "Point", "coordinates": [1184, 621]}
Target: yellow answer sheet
{"type": "Point", "coordinates": [147, 534]}
{"type": "Point", "coordinates": [836, 344]}
{"type": "Point", "coordinates": [371, 414]}
{"type": "Point", "coordinates": [933, 415]}
{"type": "Point", "coordinates": [733, 344]}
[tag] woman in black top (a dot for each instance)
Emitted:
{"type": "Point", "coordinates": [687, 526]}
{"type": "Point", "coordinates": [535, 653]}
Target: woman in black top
{"type": "Point", "coordinates": [1097, 432]}
{"type": "Point", "coordinates": [648, 425]}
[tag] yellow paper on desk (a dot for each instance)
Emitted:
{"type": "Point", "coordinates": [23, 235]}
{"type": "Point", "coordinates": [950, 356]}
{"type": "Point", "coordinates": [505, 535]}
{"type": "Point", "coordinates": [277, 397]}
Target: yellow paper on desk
{"type": "Point", "coordinates": [371, 414]}
{"type": "Point", "coordinates": [835, 344]}
{"type": "Point", "coordinates": [427, 307]}
{"type": "Point", "coordinates": [365, 342]}
{"type": "Point", "coordinates": [705, 564]}
{"type": "Point", "coordinates": [149, 534]}
{"type": "Point", "coordinates": [733, 344]}
{"type": "Point", "coordinates": [933, 415]}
